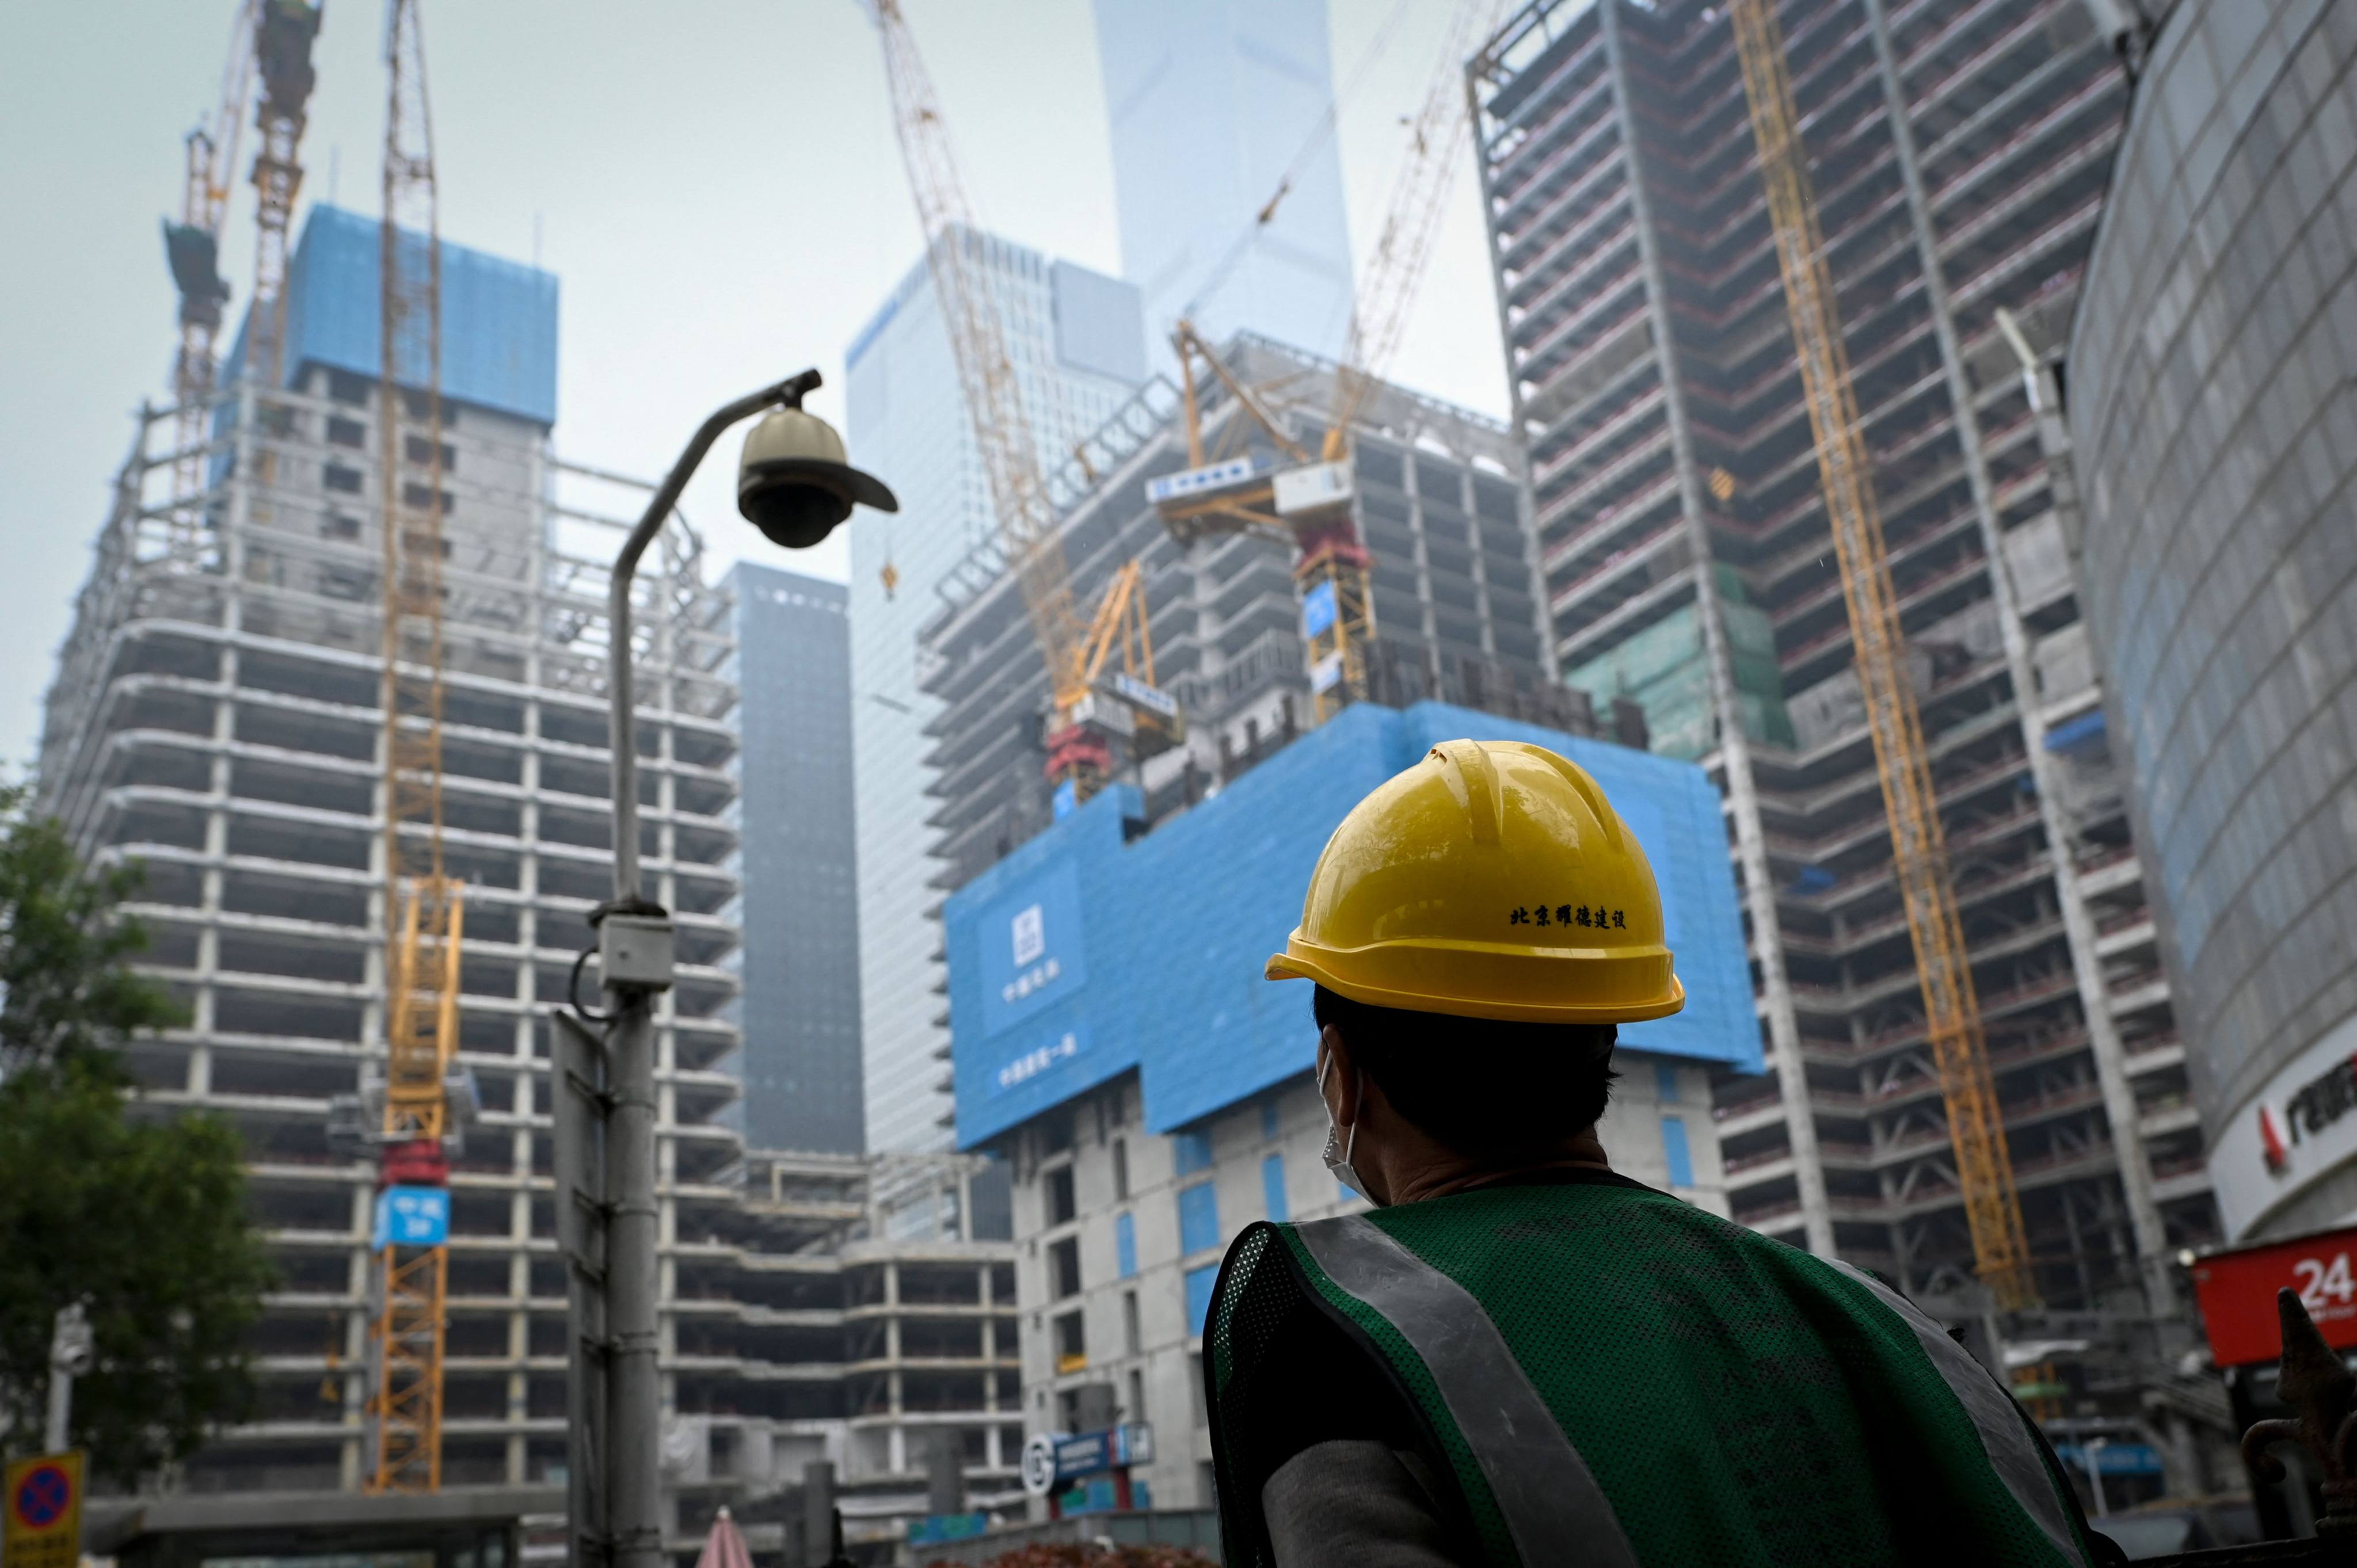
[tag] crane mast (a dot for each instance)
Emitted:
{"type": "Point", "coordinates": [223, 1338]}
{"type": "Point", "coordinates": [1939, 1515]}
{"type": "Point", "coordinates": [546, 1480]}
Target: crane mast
{"type": "Point", "coordinates": [1950, 1005]}
{"type": "Point", "coordinates": [284, 30]}
{"type": "Point", "coordinates": [1313, 500]}
{"type": "Point", "coordinates": [421, 902]}
{"type": "Point", "coordinates": [1079, 760]}
{"type": "Point", "coordinates": [192, 249]}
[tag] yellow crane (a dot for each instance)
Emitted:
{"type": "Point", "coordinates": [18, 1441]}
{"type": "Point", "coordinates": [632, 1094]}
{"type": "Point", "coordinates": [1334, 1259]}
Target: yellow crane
{"type": "Point", "coordinates": [283, 34]}
{"type": "Point", "coordinates": [423, 903]}
{"type": "Point", "coordinates": [1080, 758]}
{"type": "Point", "coordinates": [192, 249]}
{"type": "Point", "coordinates": [1312, 497]}
{"type": "Point", "coordinates": [1950, 1005]}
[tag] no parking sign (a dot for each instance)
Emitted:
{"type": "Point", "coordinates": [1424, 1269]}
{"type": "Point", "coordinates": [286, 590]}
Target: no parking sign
{"type": "Point", "coordinates": [40, 1505]}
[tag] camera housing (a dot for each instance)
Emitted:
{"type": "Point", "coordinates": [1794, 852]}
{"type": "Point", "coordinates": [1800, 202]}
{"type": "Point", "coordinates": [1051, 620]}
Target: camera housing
{"type": "Point", "coordinates": [793, 483]}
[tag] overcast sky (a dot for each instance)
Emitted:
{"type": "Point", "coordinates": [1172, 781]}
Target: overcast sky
{"type": "Point", "coordinates": [714, 181]}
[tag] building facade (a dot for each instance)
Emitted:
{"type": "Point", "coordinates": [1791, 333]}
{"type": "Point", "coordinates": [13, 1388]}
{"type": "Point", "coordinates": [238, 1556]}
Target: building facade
{"type": "Point", "coordinates": [799, 910]}
{"type": "Point", "coordinates": [1437, 500]}
{"type": "Point", "coordinates": [1216, 112]}
{"type": "Point", "coordinates": [1960, 151]}
{"type": "Point", "coordinates": [1117, 1046]}
{"type": "Point", "coordinates": [2215, 427]}
{"type": "Point", "coordinates": [1079, 352]}
{"type": "Point", "coordinates": [216, 717]}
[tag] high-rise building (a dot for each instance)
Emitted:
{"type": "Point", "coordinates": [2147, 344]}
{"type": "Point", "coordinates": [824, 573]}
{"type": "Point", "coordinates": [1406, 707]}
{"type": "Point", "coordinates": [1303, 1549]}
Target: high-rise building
{"type": "Point", "coordinates": [216, 716]}
{"type": "Point", "coordinates": [1078, 352]}
{"type": "Point", "coordinates": [799, 912]}
{"type": "Point", "coordinates": [1959, 152]}
{"type": "Point", "coordinates": [2215, 427]}
{"type": "Point", "coordinates": [1219, 122]}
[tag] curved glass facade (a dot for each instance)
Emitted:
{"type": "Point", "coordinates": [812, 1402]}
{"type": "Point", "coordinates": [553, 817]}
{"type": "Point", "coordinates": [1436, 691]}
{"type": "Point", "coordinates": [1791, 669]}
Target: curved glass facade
{"type": "Point", "coordinates": [2214, 418]}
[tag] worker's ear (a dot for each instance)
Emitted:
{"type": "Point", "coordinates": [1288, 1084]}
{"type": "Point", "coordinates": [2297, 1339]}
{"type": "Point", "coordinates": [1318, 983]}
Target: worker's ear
{"type": "Point", "coordinates": [1344, 1089]}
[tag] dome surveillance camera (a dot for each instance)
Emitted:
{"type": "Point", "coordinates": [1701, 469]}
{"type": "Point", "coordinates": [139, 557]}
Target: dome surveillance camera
{"type": "Point", "coordinates": [792, 482]}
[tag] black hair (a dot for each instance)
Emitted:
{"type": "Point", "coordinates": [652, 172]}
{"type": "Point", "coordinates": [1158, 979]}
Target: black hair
{"type": "Point", "coordinates": [1481, 1086]}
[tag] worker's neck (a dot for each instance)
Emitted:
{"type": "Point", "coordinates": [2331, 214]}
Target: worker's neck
{"type": "Point", "coordinates": [1416, 1167]}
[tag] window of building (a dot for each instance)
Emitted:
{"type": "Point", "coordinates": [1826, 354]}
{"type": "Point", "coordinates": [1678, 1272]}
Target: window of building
{"type": "Point", "coordinates": [1198, 1297]}
{"type": "Point", "coordinates": [1133, 1334]}
{"type": "Point", "coordinates": [1061, 1202]}
{"type": "Point", "coordinates": [1064, 1268]}
{"type": "Point", "coordinates": [336, 525]}
{"type": "Point", "coordinates": [1136, 1395]}
{"type": "Point", "coordinates": [1199, 1217]}
{"type": "Point", "coordinates": [345, 387]}
{"type": "Point", "coordinates": [342, 480]}
{"type": "Point", "coordinates": [1121, 1170]}
{"type": "Point", "coordinates": [420, 451]}
{"type": "Point", "coordinates": [1673, 1146]}
{"type": "Point", "coordinates": [1270, 1124]}
{"type": "Point", "coordinates": [1071, 1344]}
{"type": "Point", "coordinates": [344, 432]}
{"type": "Point", "coordinates": [1125, 1245]}
{"type": "Point", "coordinates": [1190, 1152]}
{"type": "Point", "coordinates": [1272, 1188]}
{"type": "Point", "coordinates": [420, 496]}
{"type": "Point", "coordinates": [1665, 1082]}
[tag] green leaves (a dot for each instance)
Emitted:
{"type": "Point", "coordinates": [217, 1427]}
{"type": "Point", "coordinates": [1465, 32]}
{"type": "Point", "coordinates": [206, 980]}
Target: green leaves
{"type": "Point", "coordinates": [141, 1217]}
{"type": "Point", "coordinates": [145, 1221]}
{"type": "Point", "coordinates": [65, 987]}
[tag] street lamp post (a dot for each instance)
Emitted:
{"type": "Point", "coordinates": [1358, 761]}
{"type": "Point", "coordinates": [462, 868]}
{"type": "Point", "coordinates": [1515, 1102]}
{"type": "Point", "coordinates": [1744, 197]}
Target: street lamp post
{"type": "Point", "coordinates": [795, 486]}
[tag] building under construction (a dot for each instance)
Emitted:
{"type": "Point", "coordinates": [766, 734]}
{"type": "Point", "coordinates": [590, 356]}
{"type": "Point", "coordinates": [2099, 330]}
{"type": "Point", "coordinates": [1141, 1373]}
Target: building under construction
{"type": "Point", "coordinates": [1959, 150]}
{"type": "Point", "coordinates": [217, 718]}
{"type": "Point", "coordinates": [1439, 505]}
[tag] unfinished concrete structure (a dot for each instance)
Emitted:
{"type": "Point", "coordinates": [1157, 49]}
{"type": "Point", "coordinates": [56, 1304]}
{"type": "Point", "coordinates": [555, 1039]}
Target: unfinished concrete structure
{"type": "Point", "coordinates": [1960, 150]}
{"type": "Point", "coordinates": [216, 717]}
{"type": "Point", "coordinates": [1439, 504]}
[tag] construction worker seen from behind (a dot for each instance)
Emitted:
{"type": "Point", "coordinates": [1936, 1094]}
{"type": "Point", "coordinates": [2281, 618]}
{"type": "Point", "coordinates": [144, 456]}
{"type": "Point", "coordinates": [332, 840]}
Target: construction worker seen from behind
{"type": "Point", "coordinates": [1521, 1357]}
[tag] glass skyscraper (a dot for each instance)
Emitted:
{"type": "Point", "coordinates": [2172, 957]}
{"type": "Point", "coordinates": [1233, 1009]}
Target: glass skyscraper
{"type": "Point", "coordinates": [798, 906]}
{"type": "Point", "coordinates": [1211, 106]}
{"type": "Point", "coordinates": [1079, 352]}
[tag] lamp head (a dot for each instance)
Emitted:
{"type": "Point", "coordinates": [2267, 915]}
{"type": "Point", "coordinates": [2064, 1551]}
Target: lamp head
{"type": "Point", "coordinates": [793, 483]}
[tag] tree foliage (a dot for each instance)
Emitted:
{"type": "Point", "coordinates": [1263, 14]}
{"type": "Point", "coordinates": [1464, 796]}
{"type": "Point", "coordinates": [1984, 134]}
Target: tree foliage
{"type": "Point", "coordinates": [139, 1215]}
{"type": "Point", "coordinates": [65, 989]}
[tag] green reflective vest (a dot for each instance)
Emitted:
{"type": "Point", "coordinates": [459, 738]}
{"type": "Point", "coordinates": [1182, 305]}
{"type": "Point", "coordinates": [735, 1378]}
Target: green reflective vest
{"type": "Point", "coordinates": [1610, 1376]}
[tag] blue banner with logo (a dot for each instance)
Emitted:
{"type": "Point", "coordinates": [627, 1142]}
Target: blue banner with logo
{"type": "Point", "coordinates": [1032, 950]}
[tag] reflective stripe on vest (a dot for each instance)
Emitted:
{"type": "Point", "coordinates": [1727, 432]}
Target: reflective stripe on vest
{"type": "Point", "coordinates": [2011, 1453]}
{"type": "Point", "coordinates": [1552, 1506]}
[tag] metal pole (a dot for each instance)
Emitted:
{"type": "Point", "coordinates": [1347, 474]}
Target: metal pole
{"type": "Point", "coordinates": [2093, 1449]}
{"type": "Point", "coordinates": [53, 1437]}
{"type": "Point", "coordinates": [634, 1439]}
{"type": "Point", "coordinates": [70, 1355]}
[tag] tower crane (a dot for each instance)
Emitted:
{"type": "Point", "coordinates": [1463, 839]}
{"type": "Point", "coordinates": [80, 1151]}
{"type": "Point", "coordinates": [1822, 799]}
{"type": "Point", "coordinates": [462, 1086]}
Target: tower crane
{"type": "Point", "coordinates": [1080, 757]}
{"type": "Point", "coordinates": [192, 249]}
{"type": "Point", "coordinates": [283, 35]}
{"type": "Point", "coordinates": [423, 903]}
{"type": "Point", "coordinates": [1312, 497]}
{"type": "Point", "coordinates": [1950, 1005]}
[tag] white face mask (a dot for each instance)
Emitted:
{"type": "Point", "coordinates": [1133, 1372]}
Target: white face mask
{"type": "Point", "coordinates": [1338, 1149]}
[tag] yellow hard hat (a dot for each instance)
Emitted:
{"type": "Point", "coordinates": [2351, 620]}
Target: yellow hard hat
{"type": "Point", "coordinates": [1491, 880]}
